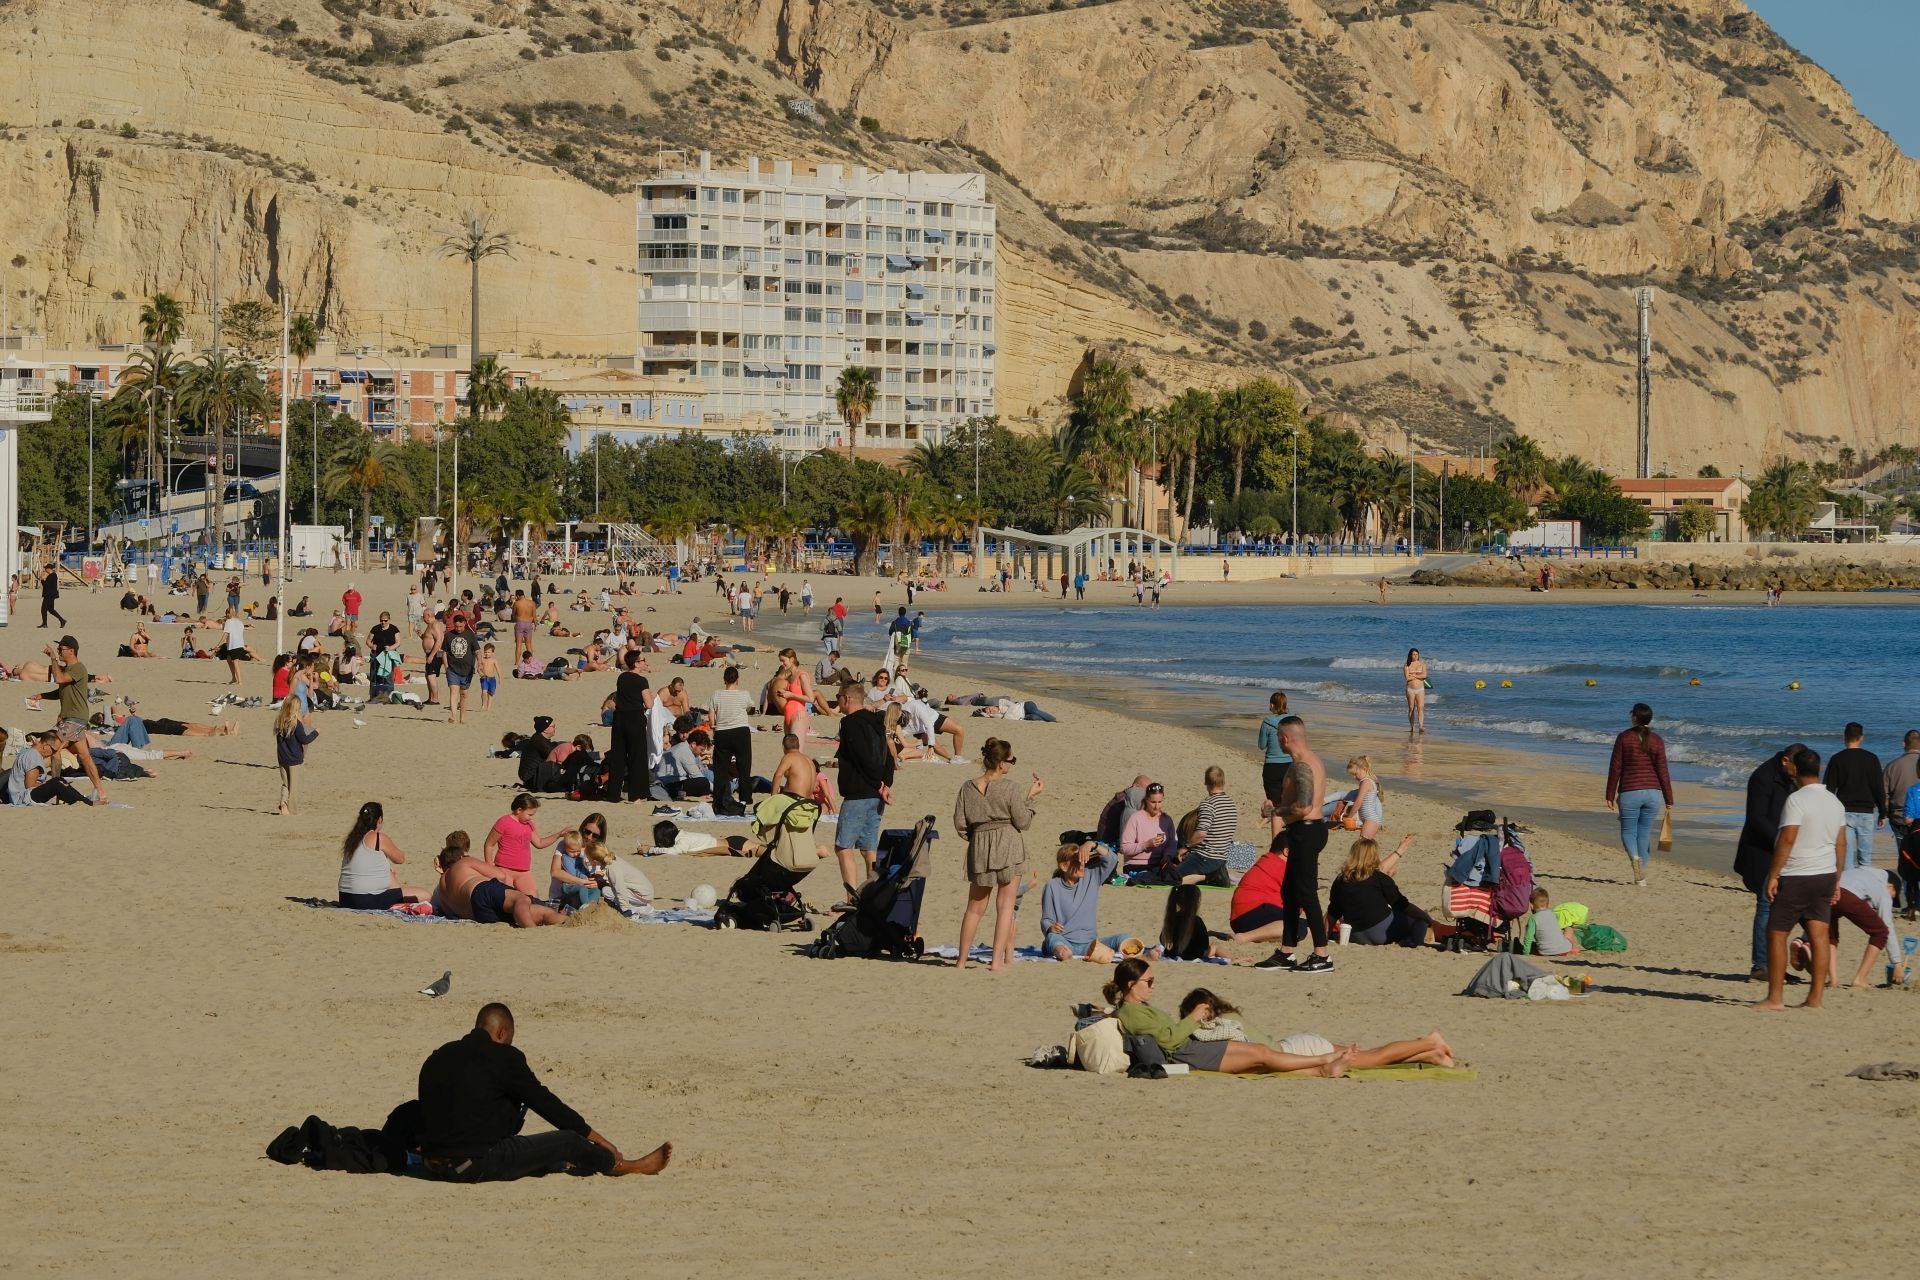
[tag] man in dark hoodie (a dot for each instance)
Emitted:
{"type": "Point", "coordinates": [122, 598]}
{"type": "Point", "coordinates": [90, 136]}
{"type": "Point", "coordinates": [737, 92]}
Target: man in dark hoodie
{"type": "Point", "coordinates": [1767, 790]}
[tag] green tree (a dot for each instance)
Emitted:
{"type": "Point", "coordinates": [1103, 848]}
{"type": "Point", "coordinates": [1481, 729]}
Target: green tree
{"type": "Point", "coordinates": [1783, 499]}
{"type": "Point", "coordinates": [1483, 505]}
{"type": "Point", "coordinates": [222, 389]}
{"type": "Point", "coordinates": [1521, 466]}
{"type": "Point", "coordinates": [1252, 415]}
{"type": "Point", "coordinates": [1184, 425]}
{"type": "Point", "coordinates": [53, 466]}
{"type": "Point", "coordinates": [162, 321]}
{"type": "Point", "coordinates": [140, 408]}
{"type": "Point", "coordinates": [365, 466]}
{"type": "Point", "coordinates": [474, 241]}
{"type": "Point", "coordinates": [303, 339]}
{"type": "Point", "coordinates": [1708, 472]}
{"type": "Point", "coordinates": [488, 386]}
{"type": "Point", "coordinates": [866, 522]}
{"type": "Point", "coordinates": [853, 397]}
{"type": "Point", "coordinates": [1605, 514]}
{"type": "Point", "coordinates": [1694, 521]}
{"type": "Point", "coordinates": [251, 326]}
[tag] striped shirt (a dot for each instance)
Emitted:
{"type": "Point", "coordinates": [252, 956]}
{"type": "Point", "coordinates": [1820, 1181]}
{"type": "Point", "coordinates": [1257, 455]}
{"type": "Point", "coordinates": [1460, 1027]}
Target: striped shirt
{"type": "Point", "coordinates": [1219, 824]}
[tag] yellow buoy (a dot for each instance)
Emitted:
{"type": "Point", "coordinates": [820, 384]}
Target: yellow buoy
{"type": "Point", "coordinates": [1695, 682]}
{"type": "Point", "coordinates": [1795, 685]}
{"type": "Point", "coordinates": [1479, 684]}
{"type": "Point", "coordinates": [1506, 684]}
{"type": "Point", "coordinates": [1591, 683]}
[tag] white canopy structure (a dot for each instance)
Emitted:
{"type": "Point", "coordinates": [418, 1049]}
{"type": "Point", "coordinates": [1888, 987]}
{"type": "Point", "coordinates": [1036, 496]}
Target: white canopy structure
{"type": "Point", "coordinates": [1086, 549]}
{"type": "Point", "coordinates": [17, 409]}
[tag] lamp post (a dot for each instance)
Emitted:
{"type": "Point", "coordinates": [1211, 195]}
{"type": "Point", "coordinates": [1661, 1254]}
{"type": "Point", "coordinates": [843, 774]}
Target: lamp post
{"type": "Point", "coordinates": [90, 527]}
{"type": "Point", "coordinates": [1413, 514]}
{"type": "Point", "coordinates": [1293, 531]}
{"type": "Point", "coordinates": [315, 501]}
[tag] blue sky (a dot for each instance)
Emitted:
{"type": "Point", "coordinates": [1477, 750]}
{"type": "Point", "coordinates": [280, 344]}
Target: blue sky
{"type": "Point", "coordinates": [1868, 45]}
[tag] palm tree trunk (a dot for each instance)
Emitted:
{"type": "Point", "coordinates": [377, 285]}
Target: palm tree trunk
{"type": "Point", "coordinates": [473, 346]}
{"type": "Point", "coordinates": [366, 526]}
{"type": "Point", "coordinates": [1239, 465]}
{"type": "Point", "coordinates": [1193, 467]}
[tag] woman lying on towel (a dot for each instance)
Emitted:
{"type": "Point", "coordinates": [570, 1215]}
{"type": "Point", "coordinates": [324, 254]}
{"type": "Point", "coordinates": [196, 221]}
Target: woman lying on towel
{"type": "Point", "coordinates": [1218, 1018]}
{"type": "Point", "coordinates": [1210, 1036]}
{"type": "Point", "coordinates": [1130, 993]}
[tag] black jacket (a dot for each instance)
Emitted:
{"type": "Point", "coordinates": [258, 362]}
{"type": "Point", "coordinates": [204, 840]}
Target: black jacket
{"type": "Point", "coordinates": [1767, 790]}
{"type": "Point", "coordinates": [865, 763]}
{"type": "Point", "coordinates": [474, 1093]}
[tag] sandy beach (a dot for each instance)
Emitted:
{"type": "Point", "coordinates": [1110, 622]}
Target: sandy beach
{"type": "Point", "coordinates": [170, 1010]}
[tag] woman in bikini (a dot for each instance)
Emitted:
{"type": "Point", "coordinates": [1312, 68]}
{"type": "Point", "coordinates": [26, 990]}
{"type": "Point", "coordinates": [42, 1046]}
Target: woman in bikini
{"type": "Point", "coordinates": [793, 694]}
{"type": "Point", "coordinates": [1416, 673]}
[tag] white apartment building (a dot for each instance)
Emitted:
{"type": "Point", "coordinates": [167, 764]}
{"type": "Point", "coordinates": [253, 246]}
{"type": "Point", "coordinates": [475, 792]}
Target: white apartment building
{"type": "Point", "coordinates": [767, 281]}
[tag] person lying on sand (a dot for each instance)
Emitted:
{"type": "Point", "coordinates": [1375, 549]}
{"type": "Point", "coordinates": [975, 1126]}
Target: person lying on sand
{"type": "Point", "coordinates": [474, 890]}
{"type": "Point", "coordinates": [474, 1096]}
{"type": "Point", "coordinates": [1214, 1015]}
{"type": "Point", "coordinates": [131, 728]}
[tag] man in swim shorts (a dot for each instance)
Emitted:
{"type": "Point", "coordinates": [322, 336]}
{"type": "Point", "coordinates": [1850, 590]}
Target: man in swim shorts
{"type": "Point", "coordinates": [474, 890]}
{"type": "Point", "coordinates": [524, 613]}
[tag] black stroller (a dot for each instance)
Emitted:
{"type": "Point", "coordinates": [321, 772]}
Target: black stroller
{"type": "Point", "coordinates": [767, 897]}
{"type": "Point", "coordinates": [885, 919]}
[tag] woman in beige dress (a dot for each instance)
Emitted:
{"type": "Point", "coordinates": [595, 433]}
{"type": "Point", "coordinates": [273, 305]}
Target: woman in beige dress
{"type": "Point", "coordinates": [991, 813]}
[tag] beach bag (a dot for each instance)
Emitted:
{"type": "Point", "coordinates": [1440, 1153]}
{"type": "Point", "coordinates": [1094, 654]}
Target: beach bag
{"type": "Point", "coordinates": [1098, 1047]}
{"type": "Point", "coordinates": [1599, 937]}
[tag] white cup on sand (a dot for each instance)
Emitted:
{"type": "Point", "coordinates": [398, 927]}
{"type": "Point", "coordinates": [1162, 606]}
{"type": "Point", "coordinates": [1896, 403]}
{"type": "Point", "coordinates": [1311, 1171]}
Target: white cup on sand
{"type": "Point", "coordinates": [1346, 933]}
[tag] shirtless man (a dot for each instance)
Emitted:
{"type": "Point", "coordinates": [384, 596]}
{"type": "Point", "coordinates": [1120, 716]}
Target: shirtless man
{"type": "Point", "coordinates": [1302, 802]}
{"type": "Point", "coordinates": [674, 697]}
{"type": "Point", "coordinates": [473, 890]}
{"type": "Point", "coordinates": [796, 774]}
{"type": "Point", "coordinates": [524, 614]}
{"type": "Point", "coordinates": [430, 634]}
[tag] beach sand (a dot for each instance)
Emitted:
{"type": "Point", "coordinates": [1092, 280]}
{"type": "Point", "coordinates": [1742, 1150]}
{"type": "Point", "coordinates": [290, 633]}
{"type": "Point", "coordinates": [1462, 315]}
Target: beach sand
{"type": "Point", "coordinates": [169, 1011]}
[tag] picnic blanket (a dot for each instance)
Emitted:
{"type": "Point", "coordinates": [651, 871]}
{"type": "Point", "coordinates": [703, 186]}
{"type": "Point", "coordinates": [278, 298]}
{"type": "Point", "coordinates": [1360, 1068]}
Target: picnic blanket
{"type": "Point", "coordinates": [666, 915]}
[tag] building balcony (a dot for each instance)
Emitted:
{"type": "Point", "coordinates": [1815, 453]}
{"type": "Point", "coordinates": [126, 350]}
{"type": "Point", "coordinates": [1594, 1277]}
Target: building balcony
{"type": "Point", "coordinates": [668, 204]}
{"type": "Point", "coordinates": [671, 351]}
{"type": "Point", "coordinates": [663, 235]}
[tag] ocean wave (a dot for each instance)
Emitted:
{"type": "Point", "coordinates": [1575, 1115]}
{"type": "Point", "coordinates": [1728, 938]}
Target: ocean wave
{"type": "Point", "coordinates": [1445, 664]}
{"type": "Point", "coordinates": [1745, 732]}
{"type": "Point", "coordinates": [1332, 692]}
{"type": "Point", "coordinates": [1535, 729]}
{"type": "Point", "coordinates": [1212, 679]}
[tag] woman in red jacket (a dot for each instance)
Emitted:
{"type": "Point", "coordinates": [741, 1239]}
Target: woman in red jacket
{"type": "Point", "coordinates": [1637, 784]}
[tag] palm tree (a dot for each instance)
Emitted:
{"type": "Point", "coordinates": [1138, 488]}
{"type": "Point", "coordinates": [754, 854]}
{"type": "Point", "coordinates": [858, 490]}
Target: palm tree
{"type": "Point", "coordinates": [474, 240]}
{"type": "Point", "coordinates": [1520, 467]}
{"type": "Point", "coordinates": [1071, 495]}
{"type": "Point", "coordinates": [853, 397]}
{"type": "Point", "coordinates": [365, 466]}
{"type": "Point", "coordinates": [1251, 414]}
{"type": "Point", "coordinates": [937, 464]}
{"type": "Point", "coordinates": [135, 406]}
{"type": "Point", "coordinates": [162, 321]}
{"type": "Point", "coordinates": [219, 387]}
{"type": "Point", "coordinates": [676, 522]}
{"type": "Point", "coordinates": [1184, 425]}
{"type": "Point", "coordinates": [488, 386]}
{"type": "Point", "coordinates": [303, 336]}
{"type": "Point", "coordinates": [1783, 499]}
{"type": "Point", "coordinates": [866, 521]}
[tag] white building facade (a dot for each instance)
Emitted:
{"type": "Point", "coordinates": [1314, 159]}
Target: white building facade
{"type": "Point", "coordinates": [765, 282]}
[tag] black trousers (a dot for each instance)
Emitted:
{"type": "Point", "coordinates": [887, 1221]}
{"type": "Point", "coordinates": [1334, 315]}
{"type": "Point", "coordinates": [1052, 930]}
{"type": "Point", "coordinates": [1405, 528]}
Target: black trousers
{"type": "Point", "coordinates": [1300, 890]}
{"type": "Point", "coordinates": [627, 758]}
{"type": "Point", "coordinates": [528, 1157]}
{"type": "Point", "coordinates": [47, 606]}
{"type": "Point", "coordinates": [733, 759]}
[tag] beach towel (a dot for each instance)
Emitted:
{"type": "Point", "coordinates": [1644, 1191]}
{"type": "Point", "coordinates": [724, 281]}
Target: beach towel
{"type": "Point", "coordinates": [1505, 977]}
{"type": "Point", "coordinates": [1399, 1071]}
{"type": "Point", "coordinates": [406, 911]}
{"type": "Point", "coordinates": [1470, 902]}
{"type": "Point", "coordinates": [983, 953]}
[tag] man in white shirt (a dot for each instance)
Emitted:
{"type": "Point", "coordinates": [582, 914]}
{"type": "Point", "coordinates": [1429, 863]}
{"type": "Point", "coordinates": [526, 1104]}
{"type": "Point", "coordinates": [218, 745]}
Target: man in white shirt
{"type": "Point", "coordinates": [1804, 880]}
{"type": "Point", "coordinates": [233, 646]}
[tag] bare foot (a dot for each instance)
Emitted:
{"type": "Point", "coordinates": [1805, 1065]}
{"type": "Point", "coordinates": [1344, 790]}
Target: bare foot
{"type": "Point", "coordinates": [1768, 1006]}
{"type": "Point", "coordinates": [1441, 1050]}
{"type": "Point", "coordinates": [284, 812]}
{"type": "Point", "coordinates": [1336, 1066]}
{"type": "Point", "coordinates": [652, 1162]}
{"type": "Point", "coordinates": [230, 729]}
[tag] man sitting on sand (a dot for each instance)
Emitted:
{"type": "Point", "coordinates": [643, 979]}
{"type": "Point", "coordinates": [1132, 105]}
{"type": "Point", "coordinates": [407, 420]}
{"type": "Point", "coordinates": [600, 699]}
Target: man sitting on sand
{"type": "Point", "coordinates": [474, 1096]}
{"type": "Point", "coordinates": [474, 890]}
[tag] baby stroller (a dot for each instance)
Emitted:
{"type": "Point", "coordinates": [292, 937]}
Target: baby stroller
{"type": "Point", "coordinates": [1473, 880]}
{"type": "Point", "coordinates": [767, 897]}
{"type": "Point", "coordinates": [885, 919]}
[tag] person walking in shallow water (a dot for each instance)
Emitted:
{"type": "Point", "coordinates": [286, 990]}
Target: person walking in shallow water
{"type": "Point", "coordinates": [1416, 676]}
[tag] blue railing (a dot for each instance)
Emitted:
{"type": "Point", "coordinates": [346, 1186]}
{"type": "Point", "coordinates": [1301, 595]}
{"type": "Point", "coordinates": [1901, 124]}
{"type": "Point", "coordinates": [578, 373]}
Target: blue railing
{"type": "Point", "coordinates": [1308, 550]}
{"type": "Point", "coordinates": [1561, 553]}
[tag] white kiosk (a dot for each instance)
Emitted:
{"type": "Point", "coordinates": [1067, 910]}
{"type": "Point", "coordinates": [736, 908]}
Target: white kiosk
{"type": "Point", "coordinates": [17, 409]}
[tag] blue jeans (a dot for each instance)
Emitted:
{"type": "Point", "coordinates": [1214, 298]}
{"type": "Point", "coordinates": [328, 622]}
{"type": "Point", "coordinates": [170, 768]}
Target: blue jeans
{"type": "Point", "coordinates": [1079, 944]}
{"type": "Point", "coordinates": [1762, 909]}
{"type": "Point", "coordinates": [1639, 816]}
{"type": "Point", "coordinates": [1860, 827]}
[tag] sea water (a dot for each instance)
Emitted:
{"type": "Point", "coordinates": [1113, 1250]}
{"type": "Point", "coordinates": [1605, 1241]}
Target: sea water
{"type": "Point", "coordinates": [1574, 670]}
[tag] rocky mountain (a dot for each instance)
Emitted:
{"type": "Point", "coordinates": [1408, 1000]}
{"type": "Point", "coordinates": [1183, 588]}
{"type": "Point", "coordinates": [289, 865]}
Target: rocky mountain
{"type": "Point", "coordinates": [1432, 214]}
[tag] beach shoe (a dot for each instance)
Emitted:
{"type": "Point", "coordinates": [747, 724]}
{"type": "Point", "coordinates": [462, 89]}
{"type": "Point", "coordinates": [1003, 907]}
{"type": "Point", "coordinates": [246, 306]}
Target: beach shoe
{"type": "Point", "coordinates": [1799, 955]}
{"type": "Point", "coordinates": [1315, 964]}
{"type": "Point", "coordinates": [1757, 974]}
{"type": "Point", "coordinates": [1278, 960]}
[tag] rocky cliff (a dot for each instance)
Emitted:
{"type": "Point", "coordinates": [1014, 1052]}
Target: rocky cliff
{"type": "Point", "coordinates": [1431, 214]}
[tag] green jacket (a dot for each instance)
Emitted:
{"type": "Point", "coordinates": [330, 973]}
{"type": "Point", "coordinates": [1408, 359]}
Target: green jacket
{"type": "Point", "coordinates": [1145, 1020]}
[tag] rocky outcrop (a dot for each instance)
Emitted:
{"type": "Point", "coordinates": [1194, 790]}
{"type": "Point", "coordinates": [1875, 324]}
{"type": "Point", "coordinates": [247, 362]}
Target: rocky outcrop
{"type": "Point", "coordinates": [1867, 572]}
{"type": "Point", "coordinates": [1430, 216]}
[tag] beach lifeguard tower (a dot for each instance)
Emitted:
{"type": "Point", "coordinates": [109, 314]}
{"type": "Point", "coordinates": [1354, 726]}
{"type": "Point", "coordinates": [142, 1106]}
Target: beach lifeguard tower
{"type": "Point", "coordinates": [18, 408]}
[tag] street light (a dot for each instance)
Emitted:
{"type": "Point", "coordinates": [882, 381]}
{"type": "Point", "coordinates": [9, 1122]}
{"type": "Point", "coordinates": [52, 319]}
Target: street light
{"type": "Point", "coordinates": [90, 526]}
